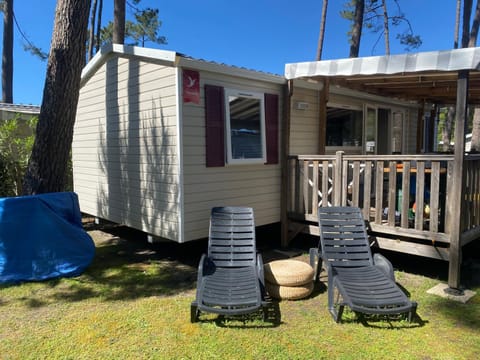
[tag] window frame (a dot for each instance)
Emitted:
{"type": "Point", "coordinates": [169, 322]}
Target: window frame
{"type": "Point", "coordinates": [402, 132]}
{"type": "Point", "coordinates": [355, 147]}
{"type": "Point", "coordinates": [228, 136]}
{"type": "Point", "coordinates": [370, 145]}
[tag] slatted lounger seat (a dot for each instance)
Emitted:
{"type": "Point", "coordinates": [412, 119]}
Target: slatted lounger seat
{"type": "Point", "coordinates": [363, 286]}
{"type": "Point", "coordinates": [230, 276]}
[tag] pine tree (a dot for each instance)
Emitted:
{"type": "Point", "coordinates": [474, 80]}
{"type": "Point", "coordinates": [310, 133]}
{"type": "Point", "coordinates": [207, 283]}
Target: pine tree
{"type": "Point", "coordinates": [7, 56]}
{"type": "Point", "coordinates": [48, 163]}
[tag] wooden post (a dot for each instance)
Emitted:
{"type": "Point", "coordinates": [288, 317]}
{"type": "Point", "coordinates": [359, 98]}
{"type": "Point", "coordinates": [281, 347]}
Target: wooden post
{"type": "Point", "coordinates": [338, 179]}
{"type": "Point", "coordinates": [322, 116]}
{"type": "Point", "coordinates": [431, 130]}
{"type": "Point", "coordinates": [454, 206]}
{"type": "Point", "coordinates": [420, 125]}
{"type": "Point", "coordinates": [287, 98]}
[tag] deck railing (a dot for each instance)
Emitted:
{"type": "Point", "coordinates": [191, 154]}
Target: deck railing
{"type": "Point", "coordinates": [471, 198]}
{"type": "Point", "coordinates": [403, 196]}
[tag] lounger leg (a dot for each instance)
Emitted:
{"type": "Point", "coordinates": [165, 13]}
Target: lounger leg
{"type": "Point", "coordinates": [194, 312]}
{"type": "Point", "coordinates": [336, 314]}
{"type": "Point", "coordinates": [265, 312]}
{"type": "Point", "coordinates": [340, 313]}
{"type": "Point", "coordinates": [412, 312]}
{"type": "Point", "coordinates": [315, 263]}
{"type": "Point", "coordinates": [331, 306]}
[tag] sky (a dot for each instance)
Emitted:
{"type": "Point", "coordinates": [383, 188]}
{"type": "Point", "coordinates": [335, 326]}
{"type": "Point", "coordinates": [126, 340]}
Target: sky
{"type": "Point", "coordinates": [261, 35]}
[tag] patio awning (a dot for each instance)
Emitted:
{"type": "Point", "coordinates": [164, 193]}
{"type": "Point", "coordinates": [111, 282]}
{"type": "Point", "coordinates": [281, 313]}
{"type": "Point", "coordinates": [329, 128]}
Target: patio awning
{"type": "Point", "coordinates": [428, 76]}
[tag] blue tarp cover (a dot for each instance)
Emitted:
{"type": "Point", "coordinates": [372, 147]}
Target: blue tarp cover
{"type": "Point", "coordinates": [42, 237]}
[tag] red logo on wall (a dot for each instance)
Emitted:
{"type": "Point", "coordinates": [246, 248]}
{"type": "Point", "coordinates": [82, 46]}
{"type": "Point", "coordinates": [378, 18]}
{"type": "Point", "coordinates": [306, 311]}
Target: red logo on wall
{"type": "Point", "coordinates": [191, 86]}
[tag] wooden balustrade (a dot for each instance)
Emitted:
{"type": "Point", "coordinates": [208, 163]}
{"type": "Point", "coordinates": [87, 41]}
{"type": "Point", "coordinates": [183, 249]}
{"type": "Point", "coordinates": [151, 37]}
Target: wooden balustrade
{"type": "Point", "coordinates": [402, 196]}
{"type": "Point", "coordinates": [471, 199]}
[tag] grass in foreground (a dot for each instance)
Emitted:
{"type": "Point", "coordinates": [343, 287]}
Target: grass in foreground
{"type": "Point", "coordinates": [134, 302]}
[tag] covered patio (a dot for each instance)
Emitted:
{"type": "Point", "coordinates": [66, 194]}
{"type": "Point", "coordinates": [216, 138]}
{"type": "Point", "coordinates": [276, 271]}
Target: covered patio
{"type": "Point", "coordinates": [420, 203]}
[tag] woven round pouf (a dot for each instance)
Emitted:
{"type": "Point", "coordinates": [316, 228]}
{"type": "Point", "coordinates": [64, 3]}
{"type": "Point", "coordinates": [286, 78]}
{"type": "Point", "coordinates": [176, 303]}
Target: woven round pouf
{"type": "Point", "coordinates": [289, 292]}
{"type": "Point", "coordinates": [288, 279]}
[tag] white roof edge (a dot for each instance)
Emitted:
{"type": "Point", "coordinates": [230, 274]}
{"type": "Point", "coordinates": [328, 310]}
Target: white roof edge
{"type": "Point", "coordinates": [230, 70]}
{"type": "Point", "coordinates": [20, 108]}
{"type": "Point", "coordinates": [371, 97]}
{"type": "Point", "coordinates": [127, 50]}
{"type": "Point", "coordinates": [448, 60]}
{"type": "Point", "coordinates": [174, 59]}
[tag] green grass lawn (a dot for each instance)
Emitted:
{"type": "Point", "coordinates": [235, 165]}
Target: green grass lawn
{"type": "Point", "coordinates": [134, 303]}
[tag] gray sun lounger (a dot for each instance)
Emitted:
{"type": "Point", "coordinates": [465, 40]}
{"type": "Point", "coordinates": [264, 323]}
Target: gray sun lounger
{"type": "Point", "coordinates": [230, 276]}
{"type": "Point", "coordinates": [362, 285]}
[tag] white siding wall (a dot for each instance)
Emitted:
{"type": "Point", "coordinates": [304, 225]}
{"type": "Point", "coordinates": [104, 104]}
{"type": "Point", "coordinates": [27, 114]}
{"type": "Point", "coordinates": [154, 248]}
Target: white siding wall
{"type": "Point", "coordinates": [411, 121]}
{"type": "Point", "coordinates": [125, 158]}
{"type": "Point", "coordinates": [257, 186]}
{"type": "Point", "coordinates": [304, 125]}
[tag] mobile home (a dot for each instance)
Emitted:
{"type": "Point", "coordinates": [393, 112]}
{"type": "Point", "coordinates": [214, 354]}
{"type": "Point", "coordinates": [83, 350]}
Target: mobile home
{"type": "Point", "coordinates": [161, 138]}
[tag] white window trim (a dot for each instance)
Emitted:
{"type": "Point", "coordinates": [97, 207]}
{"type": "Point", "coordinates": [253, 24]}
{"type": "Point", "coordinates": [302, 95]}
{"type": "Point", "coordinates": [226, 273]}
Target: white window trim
{"type": "Point", "coordinates": [355, 148]}
{"type": "Point", "coordinates": [246, 94]}
{"type": "Point", "coordinates": [394, 110]}
{"type": "Point", "coordinates": [366, 107]}
{"type": "Point", "coordinates": [345, 106]}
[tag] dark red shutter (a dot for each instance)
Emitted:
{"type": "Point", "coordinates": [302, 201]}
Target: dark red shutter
{"type": "Point", "coordinates": [215, 125]}
{"type": "Point", "coordinates": [271, 127]}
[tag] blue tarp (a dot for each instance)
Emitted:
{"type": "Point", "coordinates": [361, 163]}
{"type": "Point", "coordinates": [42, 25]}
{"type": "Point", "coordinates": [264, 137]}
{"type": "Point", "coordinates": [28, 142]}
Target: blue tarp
{"type": "Point", "coordinates": [42, 237]}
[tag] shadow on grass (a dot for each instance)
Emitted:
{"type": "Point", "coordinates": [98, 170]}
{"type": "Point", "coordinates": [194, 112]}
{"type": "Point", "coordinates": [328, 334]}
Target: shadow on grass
{"type": "Point", "coordinates": [128, 267]}
{"type": "Point", "coordinates": [463, 315]}
{"type": "Point", "coordinates": [392, 322]}
{"type": "Point", "coordinates": [460, 315]}
{"type": "Point", "coordinates": [467, 315]}
{"type": "Point", "coordinates": [256, 320]}
{"type": "Point", "coordinates": [125, 267]}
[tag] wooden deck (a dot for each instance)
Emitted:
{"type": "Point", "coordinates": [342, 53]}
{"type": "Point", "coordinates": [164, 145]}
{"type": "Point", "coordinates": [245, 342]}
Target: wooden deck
{"type": "Point", "coordinates": [391, 190]}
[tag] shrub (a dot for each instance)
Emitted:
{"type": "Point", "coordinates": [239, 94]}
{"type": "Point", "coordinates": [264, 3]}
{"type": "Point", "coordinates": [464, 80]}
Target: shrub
{"type": "Point", "coordinates": [16, 141]}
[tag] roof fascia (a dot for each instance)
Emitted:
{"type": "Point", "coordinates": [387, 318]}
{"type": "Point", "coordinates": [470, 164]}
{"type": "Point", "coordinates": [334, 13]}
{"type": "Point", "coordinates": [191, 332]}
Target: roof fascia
{"type": "Point", "coordinates": [173, 59]}
{"type": "Point", "coordinates": [107, 51]}
{"type": "Point", "coordinates": [433, 61]}
{"type": "Point", "coordinates": [229, 70]}
{"type": "Point", "coordinates": [338, 90]}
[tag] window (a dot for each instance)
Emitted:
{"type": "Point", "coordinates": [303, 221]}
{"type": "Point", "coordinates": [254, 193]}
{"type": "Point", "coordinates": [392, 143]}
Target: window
{"type": "Point", "coordinates": [245, 127]}
{"type": "Point", "coordinates": [223, 121]}
{"type": "Point", "coordinates": [371, 129]}
{"type": "Point", "coordinates": [344, 127]}
{"type": "Point", "coordinates": [397, 132]}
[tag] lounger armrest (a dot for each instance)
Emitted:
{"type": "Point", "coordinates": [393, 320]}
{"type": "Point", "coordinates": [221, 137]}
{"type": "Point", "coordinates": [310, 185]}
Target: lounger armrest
{"type": "Point", "coordinates": [330, 269]}
{"type": "Point", "coordinates": [201, 265]}
{"type": "Point", "coordinates": [260, 270]}
{"type": "Point", "coordinates": [205, 265]}
{"type": "Point", "coordinates": [384, 265]}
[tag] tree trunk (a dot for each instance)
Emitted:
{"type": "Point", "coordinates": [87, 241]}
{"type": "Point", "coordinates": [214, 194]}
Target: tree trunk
{"type": "Point", "coordinates": [7, 57]}
{"type": "Point", "coordinates": [457, 24]}
{"type": "Point", "coordinates": [447, 129]}
{"type": "Point", "coordinates": [475, 25]}
{"type": "Point", "coordinates": [450, 116]}
{"type": "Point", "coordinates": [91, 35]}
{"type": "Point", "coordinates": [357, 28]}
{"type": "Point", "coordinates": [98, 43]}
{"type": "Point", "coordinates": [475, 144]}
{"type": "Point", "coordinates": [119, 22]}
{"type": "Point", "coordinates": [467, 13]}
{"type": "Point", "coordinates": [47, 167]}
{"type": "Point", "coordinates": [321, 35]}
{"type": "Point", "coordinates": [386, 30]}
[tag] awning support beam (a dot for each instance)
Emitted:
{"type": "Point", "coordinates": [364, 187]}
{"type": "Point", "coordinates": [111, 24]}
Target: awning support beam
{"type": "Point", "coordinates": [455, 204]}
